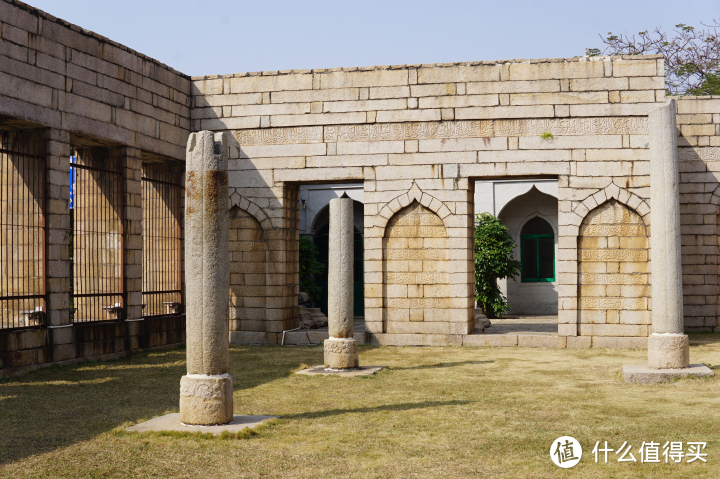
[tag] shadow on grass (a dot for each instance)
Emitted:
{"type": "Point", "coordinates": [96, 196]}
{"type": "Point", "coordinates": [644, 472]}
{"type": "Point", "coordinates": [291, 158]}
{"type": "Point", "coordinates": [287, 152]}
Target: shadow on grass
{"type": "Point", "coordinates": [389, 407]}
{"type": "Point", "coordinates": [441, 365]}
{"type": "Point", "coordinates": [56, 407]}
{"type": "Point", "coordinates": [703, 338]}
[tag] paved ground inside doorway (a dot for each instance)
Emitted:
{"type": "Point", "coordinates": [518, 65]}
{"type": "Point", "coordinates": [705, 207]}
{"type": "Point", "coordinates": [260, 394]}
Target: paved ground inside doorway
{"type": "Point", "coordinates": [546, 325]}
{"type": "Point", "coordinates": [317, 336]}
{"type": "Point", "coordinates": [511, 326]}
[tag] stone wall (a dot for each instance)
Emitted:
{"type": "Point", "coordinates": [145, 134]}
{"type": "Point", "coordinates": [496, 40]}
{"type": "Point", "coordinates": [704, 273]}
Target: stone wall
{"type": "Point", "coordinates": [416, 280]}
{"type": "Point", "coordinates": [416, 136]}
{"type": "Point", "coordinates": [58, 75]}
{"type": "Point", "coordinates": [698, 121]}
{"type": "Point", "coordinates": [70, 88]}
{"type": "Point", "coordinates": [425, 133]}
{"type": "Point", "coordinates": [248, 272]}
{"type": "Point", "coordinates": [614, 273]}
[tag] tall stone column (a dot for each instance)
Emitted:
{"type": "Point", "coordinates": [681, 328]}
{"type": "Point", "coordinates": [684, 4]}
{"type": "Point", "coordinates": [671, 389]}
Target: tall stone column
{"type": "Point", "coordinates": [57, 241]}
{"type": "Point", "coordinates": [341, 350]}
{"type": "Point", "coordinates": [667, 346]}
{"type": "Point", "coordinates": [206, 390]}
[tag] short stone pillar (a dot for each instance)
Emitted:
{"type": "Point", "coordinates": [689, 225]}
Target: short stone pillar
{"type": "Point", "coordinates": [341, 350]}
{"type": "Point", "coordinates": [206, 391]}
{"type": "Point", "coordinates": [668, 346]}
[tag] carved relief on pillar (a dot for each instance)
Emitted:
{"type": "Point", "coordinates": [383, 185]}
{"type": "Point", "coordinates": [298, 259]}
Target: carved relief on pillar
{"type": "Point", "coordinates": [248, 266]}
{"type": "Point", "coordinates": [613, 272]}
{"type": "Point", "coordinates": [416, 272]}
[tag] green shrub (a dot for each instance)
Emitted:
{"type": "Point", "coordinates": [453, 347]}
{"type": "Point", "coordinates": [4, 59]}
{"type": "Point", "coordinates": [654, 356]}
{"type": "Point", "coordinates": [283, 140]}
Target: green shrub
{"type": "Point", "coordinates": [493, 260]}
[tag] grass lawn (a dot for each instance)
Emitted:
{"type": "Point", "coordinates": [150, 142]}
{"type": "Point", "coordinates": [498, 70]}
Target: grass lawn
{"type": "Point", "coordinates": [434, 412]}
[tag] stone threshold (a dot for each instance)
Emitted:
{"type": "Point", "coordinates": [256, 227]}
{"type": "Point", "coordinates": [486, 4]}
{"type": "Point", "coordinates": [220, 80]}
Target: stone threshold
{"type": "Point", "coordinates": [525, 339]}
{"type": "Point", "coordinates": [528, 339]}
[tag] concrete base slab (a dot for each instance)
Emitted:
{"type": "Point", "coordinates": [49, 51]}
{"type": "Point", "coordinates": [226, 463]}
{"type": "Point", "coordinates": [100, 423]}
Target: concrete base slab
{"type": "Point", "coordinates": [641, 373]}
{"type": "Point", "coordinates": [345, 373]}
{"type": "Point", "coordinates": [171, 422]}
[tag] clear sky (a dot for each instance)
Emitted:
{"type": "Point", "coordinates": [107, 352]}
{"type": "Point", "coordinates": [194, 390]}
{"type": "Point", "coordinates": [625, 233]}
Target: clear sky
{"type": "Point", "coordinates": [205, 37]}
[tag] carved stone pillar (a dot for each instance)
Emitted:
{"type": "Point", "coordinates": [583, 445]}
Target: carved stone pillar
{"type": "Point", "coordinates": [206, 390]}
{"type": "Point", "coordinates": [341, 351]}
{"type": "Point", "coordinates": [667, 346]}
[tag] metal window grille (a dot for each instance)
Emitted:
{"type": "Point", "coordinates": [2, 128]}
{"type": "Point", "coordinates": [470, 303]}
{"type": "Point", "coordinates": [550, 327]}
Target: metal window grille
{"type": "Point", "coordinates": [162, 195]}
{"type": "Point", "coordinates": [96, 184]}
{"type": "Point", "coordinates": [22, 230]}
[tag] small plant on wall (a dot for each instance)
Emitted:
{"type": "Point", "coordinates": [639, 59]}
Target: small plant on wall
{"type": "Point", "coordinates": [309, 268]}
{"type": "Point", "coordinates": [493, 260]}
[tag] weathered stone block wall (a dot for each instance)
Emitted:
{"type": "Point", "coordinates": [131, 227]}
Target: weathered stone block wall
{"type": "Point", "coordinates": [416, 273]}
{"type": "Point", "coordinates": [698, 121]}
{"type": "Point", "coordinates": [58, 75]}
{"type": "Point", "coordinates": [75, 88]}
{"type": "Point", "coordinates": [248, 272]}
{"type": "Point", "coordinates": [424, 132]}
{"type": "Point", "coordinates": [614, 273]}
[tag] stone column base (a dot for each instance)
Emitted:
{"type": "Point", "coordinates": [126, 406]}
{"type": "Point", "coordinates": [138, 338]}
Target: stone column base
{"type": "Point", "coordinates": [668, 351]}
{"type": "Point", "coordinates": [206, 400]}
{"type": "Point", "coordinates": [341, 353]}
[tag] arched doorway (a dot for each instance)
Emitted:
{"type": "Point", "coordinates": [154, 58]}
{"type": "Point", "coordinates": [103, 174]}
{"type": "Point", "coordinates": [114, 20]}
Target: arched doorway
{"type": "Point", "coordinates": [531, 219]}
{"type": "Point", "coordinates": [321, 240]}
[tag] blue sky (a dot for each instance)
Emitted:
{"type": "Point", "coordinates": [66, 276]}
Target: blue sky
{"type": "Point", "coordinates": [205, 37]}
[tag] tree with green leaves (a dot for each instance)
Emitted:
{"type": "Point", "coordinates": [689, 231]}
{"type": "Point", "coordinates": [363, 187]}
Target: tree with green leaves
{"type": "Point", "coordinates": [309, 267]}
{"type": "Point", "coordinates": [493, 260]}
{"type": "Point", "coordinates": [692, 56]}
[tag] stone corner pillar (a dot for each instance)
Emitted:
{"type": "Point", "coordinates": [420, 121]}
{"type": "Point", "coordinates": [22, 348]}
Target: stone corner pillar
{"type": "Point", "coordinates": [206, 391]}
{"type": "Point", "coordinates": [341, 350]}
{"type": "Point", "coordinates": [668, 346]}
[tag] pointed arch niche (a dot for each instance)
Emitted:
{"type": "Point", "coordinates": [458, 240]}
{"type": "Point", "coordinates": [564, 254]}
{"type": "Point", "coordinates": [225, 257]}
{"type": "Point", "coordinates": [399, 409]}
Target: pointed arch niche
{"type": "Point", "coordinates": [613, 273]}
{"type": "Point", "coordinates": [416, 272]}
{"type": "Point", "coordinates": [248, 267]}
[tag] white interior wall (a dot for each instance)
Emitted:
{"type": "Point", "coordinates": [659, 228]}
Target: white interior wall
{"type": "Point", "coordinates": [515, 203]}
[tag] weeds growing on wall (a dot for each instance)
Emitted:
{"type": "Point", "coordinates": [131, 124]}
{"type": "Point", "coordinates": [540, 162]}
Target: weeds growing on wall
{"type": "Point", "coordinates": [493, 260]}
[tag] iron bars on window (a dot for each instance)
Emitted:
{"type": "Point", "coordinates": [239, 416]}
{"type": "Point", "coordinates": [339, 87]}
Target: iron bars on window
{"type": "Point", "coordinates": [162, 198]}
{"type": "Point", "coordinates": [22, 229]}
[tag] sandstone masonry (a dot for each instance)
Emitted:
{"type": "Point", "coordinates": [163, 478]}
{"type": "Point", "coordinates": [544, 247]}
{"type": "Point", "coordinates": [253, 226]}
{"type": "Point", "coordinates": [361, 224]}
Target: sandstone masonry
{"type": "Point", "coordinates": [417, 137]}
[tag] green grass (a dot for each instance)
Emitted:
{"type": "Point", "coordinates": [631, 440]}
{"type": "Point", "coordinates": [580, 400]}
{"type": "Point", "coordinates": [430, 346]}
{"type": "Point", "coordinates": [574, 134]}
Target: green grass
{"type": "Point", "coordinates": [434, 412]}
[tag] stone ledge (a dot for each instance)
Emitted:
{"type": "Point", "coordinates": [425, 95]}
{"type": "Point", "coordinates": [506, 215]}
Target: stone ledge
{"type": "Point", "coordinates": [171, 422]}
{"type": "Point", "coordinates": [640, 373]}
{"type": "Point", "coordinates": [347, 373]}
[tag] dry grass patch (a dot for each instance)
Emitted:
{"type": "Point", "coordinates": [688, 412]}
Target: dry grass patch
{"type": "Point", "coordinates": [434, 412]}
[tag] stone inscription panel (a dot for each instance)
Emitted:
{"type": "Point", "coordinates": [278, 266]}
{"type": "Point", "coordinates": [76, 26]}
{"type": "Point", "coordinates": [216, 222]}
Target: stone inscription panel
{"type": "Point", "coordinates": [416, 272]}
{"type": "Point", "coordinates": [418, 303]}
{"type": "Point", "coordinates": [432, 254]}
{"type": "Point", "coordinates": [613, 267]}
{"type": "Point", "coordinates": [444, 129]}
{"type": "Point", "coordinates": [573, 126]}
{"type": "Point", "coordinates": [417, 278]}
{"type": "Point", "coordinates": [630, 304]}
{"type": "Point", "coordinates": [613, 279]}
{"type": "Point", "coordinates": [711, 153]}
{"type": "Point", "coordinates": [280, 136]}
{"type": "Point", "coordinates": [614, 255]}
{"type": "Point", "coordinates": [614, 230]}
{"type": "Point", "coordinates": [410, 131]}
{"type": "Point", "coordinates": [248, 267]}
